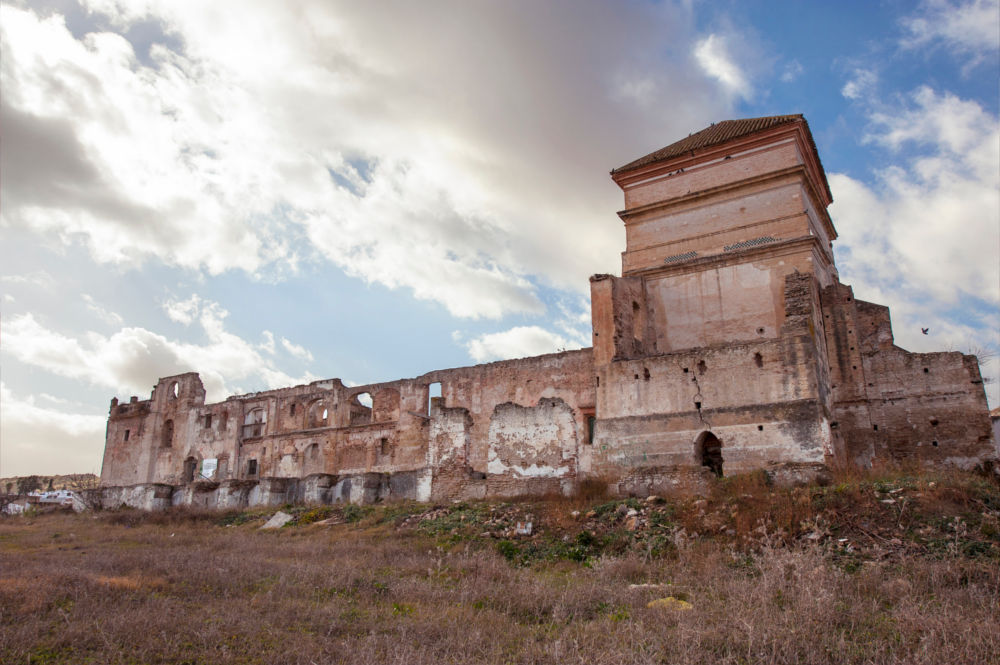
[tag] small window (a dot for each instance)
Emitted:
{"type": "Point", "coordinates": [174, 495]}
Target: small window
{"type": "Point", "coordinates": [591, 424]}
{"type": "Point", "coordinates": [645, 373]}
{"type": "Point", "coordinates": [252, 467]}
{"type": "Point", "coordinates": [926, 371]}
{"type": "Point", "coordinates": [313, 453]}
{"type": "Point", "coordinates": [174, 390]}
{"type": "Point", "coordinates": [875, 428]}
{"type": "Point", "coordinates": [702, 367]}
{"type": "Point", "coordinates": [291, 410]}
{"type": "Point", "coordinates": [758, 360]}
{"type": "Point", "coordinates": [168, 434]}
{"type": "Point", "coordinates": [254, 423]}
{"type": "Point", "coordinates": [208, 421]}
{"type": "Point", "coordinates": [223, 421]}
{"type": "Point", "coordinates": [685, 370]}
{"type": "Point", "coordinates": [697, 405]}
{"type": "Point", "coordinates": [760, 428]}
{"type": "Point", "coordinates": [127, 432]}
{"type": "Point", "coordinates": [383, 446]}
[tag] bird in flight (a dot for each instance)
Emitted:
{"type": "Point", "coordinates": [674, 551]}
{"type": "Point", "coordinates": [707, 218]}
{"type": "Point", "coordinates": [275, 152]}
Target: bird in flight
{"type": "Point", "coordinates": [924, 330]}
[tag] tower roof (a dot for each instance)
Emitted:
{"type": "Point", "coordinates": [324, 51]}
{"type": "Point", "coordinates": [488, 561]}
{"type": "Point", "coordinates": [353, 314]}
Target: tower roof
{"type": "Point", "coordinates": [717, 133]}
{"type": "Point", "coordinates": [722, 132]}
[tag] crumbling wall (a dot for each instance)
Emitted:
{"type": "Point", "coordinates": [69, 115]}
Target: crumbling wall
{"type": "Point", "coordinates": [532, 446]}
{"type": "Point", "coordinates": [892, 405]}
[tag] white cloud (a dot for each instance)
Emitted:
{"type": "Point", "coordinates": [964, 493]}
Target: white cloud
{"type": "Point", "coordinates": [40, 278]}
{"type": "Point", "coordinates": [968, 28]}
{"type": "Point", "coordinates": [296, 350]}
{"type": "Point", "coordinates": [518, 342]}
{"type": "Point", "coordinates": [713, 55]}
{"type": "Point", "coordinates": [792, 71]}
{"type": "Point", "coordinates": [103, 314]}
{"type": "Point", "coordinates": [132, 359]}
{"type": "Point", "coordinates": [183, 311]}
{"type": "Point", "coordinates": [39, 439]}
{"type": "Point", "coordinates": [408, 152]}
{"type": "Point", "coordinates": [267, 346]}
{"type": "Point", "coordinates": [861, 85]}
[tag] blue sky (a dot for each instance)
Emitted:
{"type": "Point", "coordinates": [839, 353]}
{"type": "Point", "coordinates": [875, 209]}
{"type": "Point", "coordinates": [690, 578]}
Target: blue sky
{"type": "Point", "coordinates": [271, 193]}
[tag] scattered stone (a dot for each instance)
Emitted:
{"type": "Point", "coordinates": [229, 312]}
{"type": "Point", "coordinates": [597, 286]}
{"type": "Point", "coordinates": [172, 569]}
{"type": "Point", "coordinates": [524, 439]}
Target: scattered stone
{"type": "Point", "coordinates": [575, 514]}
{"type": "Point", "coordinates": [591, 514]}
{"type": "Point", "coordinates": [630, 523]}
{"type": "Point", "coordinates": [669, 603]}
{"type": "Point", "coordinates": [652, 498]}
{"type": "Point", "coordinates": [278, 520]}
{"type": "Point", "coordinates": [632, 512]}
{"type": "Point", "coordinates": [523, 529]}
{"type": "Point", "coordinates": [330, 521]}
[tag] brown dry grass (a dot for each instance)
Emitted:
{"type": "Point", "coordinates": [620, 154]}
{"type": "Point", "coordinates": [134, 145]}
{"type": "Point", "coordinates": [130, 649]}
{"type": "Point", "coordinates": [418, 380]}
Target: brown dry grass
{"type": "Point", "coordinates": [179, 587]}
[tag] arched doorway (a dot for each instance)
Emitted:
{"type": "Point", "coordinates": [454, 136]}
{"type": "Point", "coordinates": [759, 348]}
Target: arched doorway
{"type": "Point", "coordinates": [708, 449]}
{"type": "Point", "coordinates": [190, 466]}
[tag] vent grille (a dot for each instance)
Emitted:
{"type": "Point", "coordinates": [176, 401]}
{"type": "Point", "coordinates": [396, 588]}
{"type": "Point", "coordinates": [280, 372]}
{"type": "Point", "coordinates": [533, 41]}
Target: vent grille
{"type": "Point", "coordinates": [763, 240]}
{"type": "Point", "coordinates": [680, 257]}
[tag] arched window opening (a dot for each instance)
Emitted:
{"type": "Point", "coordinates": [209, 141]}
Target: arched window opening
{"type": "Point", "coordinates": [254, 423]}
{"type": "Point", "coordinates": [168, 434]}
{"type": "Point", "coordinates": [361, 409]}
{"type": "Point", "coordinates": [312, 453]}
{"type": "Point", "coordinates": [190, 465]}
{"type": "Point", "coordinates": [319, 414]}
{"type": "Point", "coordinates": [173, 391]}
{"type": "Point", "coordinates": [709, 451]}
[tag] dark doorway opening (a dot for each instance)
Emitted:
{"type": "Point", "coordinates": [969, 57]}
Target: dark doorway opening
{"type": "Point", "coordinates": [709, 450]}
{"type": "Point", "coordinates": [190, 465]}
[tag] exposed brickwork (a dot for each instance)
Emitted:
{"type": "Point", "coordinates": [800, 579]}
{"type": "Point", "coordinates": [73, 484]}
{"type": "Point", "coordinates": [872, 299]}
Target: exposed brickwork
{"type": "Point", "coordinates": [727, 345]}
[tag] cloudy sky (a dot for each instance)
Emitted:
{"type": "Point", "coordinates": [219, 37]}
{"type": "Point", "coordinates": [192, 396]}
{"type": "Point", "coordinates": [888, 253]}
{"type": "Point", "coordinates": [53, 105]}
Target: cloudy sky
{"type": "Point", "coordinates": [275, 192]}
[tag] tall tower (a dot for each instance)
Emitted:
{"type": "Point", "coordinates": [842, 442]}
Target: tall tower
{"type": "Point", "coordinates": [712, 337]}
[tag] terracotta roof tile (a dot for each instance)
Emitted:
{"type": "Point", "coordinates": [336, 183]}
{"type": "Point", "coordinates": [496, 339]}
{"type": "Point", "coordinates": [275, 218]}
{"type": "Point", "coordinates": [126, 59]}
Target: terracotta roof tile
{"type": "Point", "coordinates": [718, 133]}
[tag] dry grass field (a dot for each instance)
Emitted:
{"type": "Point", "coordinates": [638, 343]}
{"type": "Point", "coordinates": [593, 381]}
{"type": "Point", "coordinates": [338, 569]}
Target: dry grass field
{"type": "Point", "coordinates": [895, 568]}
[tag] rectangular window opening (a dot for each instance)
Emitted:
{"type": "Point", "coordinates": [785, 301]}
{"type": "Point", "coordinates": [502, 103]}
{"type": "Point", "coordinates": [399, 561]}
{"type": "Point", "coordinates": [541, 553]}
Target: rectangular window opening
{"type": "Point", "coordinates": [434, 396]}
{"type": "Point", "coordinates": [127, 432]}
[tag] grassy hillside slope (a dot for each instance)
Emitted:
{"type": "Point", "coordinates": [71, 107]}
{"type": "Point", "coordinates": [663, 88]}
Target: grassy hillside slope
{"type": "Point", "coordinates": [890, 568]}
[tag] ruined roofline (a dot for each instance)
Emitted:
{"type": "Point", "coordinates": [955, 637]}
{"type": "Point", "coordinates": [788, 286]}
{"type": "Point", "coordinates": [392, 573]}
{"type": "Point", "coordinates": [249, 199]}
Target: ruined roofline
{"type": "Point", "coordinates": [366, 387]}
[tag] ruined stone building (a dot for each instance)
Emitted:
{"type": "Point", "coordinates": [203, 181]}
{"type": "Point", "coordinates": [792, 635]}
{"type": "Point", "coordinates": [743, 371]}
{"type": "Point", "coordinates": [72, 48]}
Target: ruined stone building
{"type": "Point", "coordinates": [728, 344]}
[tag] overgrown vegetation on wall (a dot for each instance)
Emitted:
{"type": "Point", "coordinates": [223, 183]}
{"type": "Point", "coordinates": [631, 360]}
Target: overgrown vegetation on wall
{"type": "Point", "coordinates": [885, 568]}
